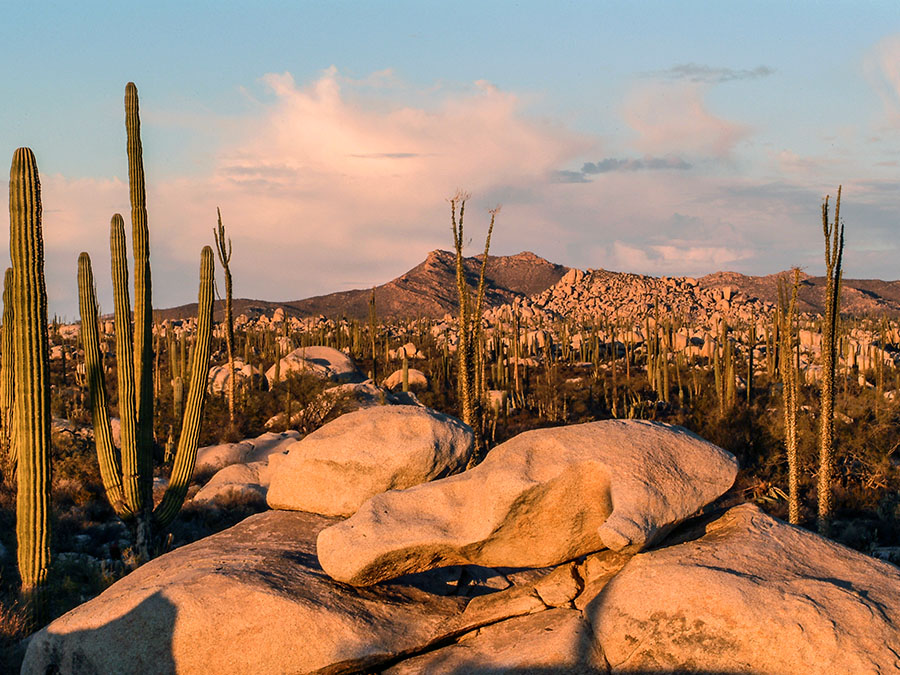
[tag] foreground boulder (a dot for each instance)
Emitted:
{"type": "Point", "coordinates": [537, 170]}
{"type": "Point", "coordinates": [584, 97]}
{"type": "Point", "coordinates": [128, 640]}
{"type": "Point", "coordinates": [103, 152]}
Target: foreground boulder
{"type": "Point", "coordinates": [248, 600]}
{"type": "Point", "coordinates": [541, 498]}
{"type": "Point", "coordinates": [253, 599]}
{"type": "Point", "coordinates": [753, 595]}
{"type": "Point", "coordinates": [324, 362]}
{"type": "Point", "coordinates": [333, 470]}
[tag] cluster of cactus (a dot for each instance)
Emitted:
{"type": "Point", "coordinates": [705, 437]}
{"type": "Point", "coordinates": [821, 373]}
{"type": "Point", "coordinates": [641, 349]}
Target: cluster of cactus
{"type": "Point", "coordinates": [128, 474]}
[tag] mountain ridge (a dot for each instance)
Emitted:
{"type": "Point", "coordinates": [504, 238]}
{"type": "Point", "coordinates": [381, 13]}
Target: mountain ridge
{"type": "Point", "coordinates": [428, 290]}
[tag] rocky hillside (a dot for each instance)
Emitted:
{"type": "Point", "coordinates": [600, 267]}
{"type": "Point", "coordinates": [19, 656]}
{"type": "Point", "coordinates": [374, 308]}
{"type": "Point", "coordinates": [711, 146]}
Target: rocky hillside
{"type": "Point", "coordinates": [527, 280]}
{"type": "Point", "coordinates": [860, 297]}
{"type": "Point", "coordinates": [427, 290]}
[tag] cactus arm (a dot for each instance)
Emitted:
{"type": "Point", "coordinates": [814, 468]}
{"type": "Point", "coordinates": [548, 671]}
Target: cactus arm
{"type": "Point", "coordinates": [186, 455]}
{"type": "Point", "coordinates": [143, 310]}
{"type": "Point", "coordinates": [32, 408]}
{"type": "Point", "coordinates": [8, 373]}
{"type": "Point", "coordinates": [131, 461]}
{"type": "Point", "coordinates": [110, 471]}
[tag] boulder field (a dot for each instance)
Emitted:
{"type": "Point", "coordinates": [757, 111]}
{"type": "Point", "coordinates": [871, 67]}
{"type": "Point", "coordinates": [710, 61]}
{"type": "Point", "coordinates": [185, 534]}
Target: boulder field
{"type": "Point", "coordinates": [587, 549]}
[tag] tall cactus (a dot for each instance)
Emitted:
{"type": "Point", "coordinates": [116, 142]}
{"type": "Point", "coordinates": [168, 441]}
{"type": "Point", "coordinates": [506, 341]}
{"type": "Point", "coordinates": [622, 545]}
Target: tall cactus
{"type": "Point", "coordinates": [128, 475]}
{"type": "Point", "coordinates": [143, 309]}
{"type": "Point", "coordinates": [32, 401]}
{"type": "Point", "coordinates": [7, 378]}
{"type": "Point", "coordinates": [787, 314]}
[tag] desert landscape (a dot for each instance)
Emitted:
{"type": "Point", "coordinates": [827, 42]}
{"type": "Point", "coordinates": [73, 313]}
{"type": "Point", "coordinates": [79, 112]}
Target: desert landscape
{"type": "Point", "coordinates": [489, 463]}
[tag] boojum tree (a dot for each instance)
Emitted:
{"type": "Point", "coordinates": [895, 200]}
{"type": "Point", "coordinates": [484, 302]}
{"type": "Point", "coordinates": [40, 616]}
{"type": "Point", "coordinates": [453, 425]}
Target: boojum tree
{"type": "Point", "coordinates": [469, 349]}
{"type": "Point", "coordinates": [834, 252]}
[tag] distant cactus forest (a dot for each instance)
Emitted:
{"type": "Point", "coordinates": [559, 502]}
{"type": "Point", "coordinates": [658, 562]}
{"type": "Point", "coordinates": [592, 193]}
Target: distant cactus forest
{"type": "Point", "coordinates": [102, 422]}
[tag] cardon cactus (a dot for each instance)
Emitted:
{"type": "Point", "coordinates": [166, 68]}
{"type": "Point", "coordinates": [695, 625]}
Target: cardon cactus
{"type": "Point", "coordinates": [128, 475]}
{"type": "Point", "coordinates": [32, 400]}
{"type": "Point", "coordinates": [7, 377]}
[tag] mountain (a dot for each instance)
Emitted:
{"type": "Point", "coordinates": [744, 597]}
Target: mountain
{"type": "Point", "coordinates": [427, 290]}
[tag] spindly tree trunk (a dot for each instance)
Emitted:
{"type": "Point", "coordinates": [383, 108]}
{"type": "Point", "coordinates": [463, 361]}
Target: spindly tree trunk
{"type": "Point", "coordinates": [469, 329]}
{"type": "Point", "coordinates": [834, 250]}
{"type": "Point", "coordinates": [787, 311]}
{"type": "Point", "coordinates": [223, 246]}
{"type": "Point", "coordinates": [373, 327]}
{"type": "Point", "coordinates": [32, 369]}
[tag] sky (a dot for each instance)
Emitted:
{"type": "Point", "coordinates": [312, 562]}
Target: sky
{"type": "Point", "coordinates": [665, 138]}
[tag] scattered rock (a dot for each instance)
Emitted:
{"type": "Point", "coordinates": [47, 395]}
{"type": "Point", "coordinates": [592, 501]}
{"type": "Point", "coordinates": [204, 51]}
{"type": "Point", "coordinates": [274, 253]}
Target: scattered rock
{"type": "Point", "coordinates": [541, 498]}
{"type": "Point", "coordinates": [416, 379]}
{"type": "Point", "coordinates": [214, 457]}
{"type": "Point", "coordinates": [323, 362]}
{"type": "Point", "coordinates": [220, 376]}
{"type": "Point", "coordinates": [333, 470]}
{"type": "Point", "coordinates": [236, 481]}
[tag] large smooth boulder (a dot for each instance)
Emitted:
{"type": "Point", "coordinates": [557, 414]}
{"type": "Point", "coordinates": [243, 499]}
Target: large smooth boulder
{"type": "Point", "coordinates": [753, 595]}
{"type": "Point", "coordinates": [333, 470]}
{"type": "Point", "coordinates": [541, 498]}
{"type": "Point", "coordinates": [324, 362]}
{"type": "Point", "coordinates": [253, 599]}
{"type": "Point", "coordinates": [215, 457]}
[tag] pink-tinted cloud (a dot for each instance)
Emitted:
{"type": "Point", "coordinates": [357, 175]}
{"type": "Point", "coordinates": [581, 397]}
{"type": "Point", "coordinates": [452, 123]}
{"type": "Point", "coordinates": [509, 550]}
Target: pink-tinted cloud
{"type": "Point", "coordinates": [338, 184]}
{"type": "Point", "coordinates": [673, 118]}
{"type": "Point", "coordinates": [882, 68]}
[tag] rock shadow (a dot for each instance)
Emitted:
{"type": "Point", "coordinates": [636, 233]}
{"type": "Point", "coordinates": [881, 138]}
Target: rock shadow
{"type": "Point", "coordinates": [118, 646]}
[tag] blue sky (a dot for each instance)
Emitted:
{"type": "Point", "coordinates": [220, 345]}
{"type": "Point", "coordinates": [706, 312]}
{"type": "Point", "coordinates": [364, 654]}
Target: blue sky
{"type": "Point", "coordinates": [655, 137]}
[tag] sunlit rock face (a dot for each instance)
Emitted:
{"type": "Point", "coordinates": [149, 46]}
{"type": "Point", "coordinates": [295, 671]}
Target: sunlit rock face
{"type": "Point", "coordinates": [541, 498]}
{"type": "Point", "coordinates": [730, 591]}
{"type": "Point", "coordinates": [333, 470]}
{"type": "Point", "coordinates": [752, 595]}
